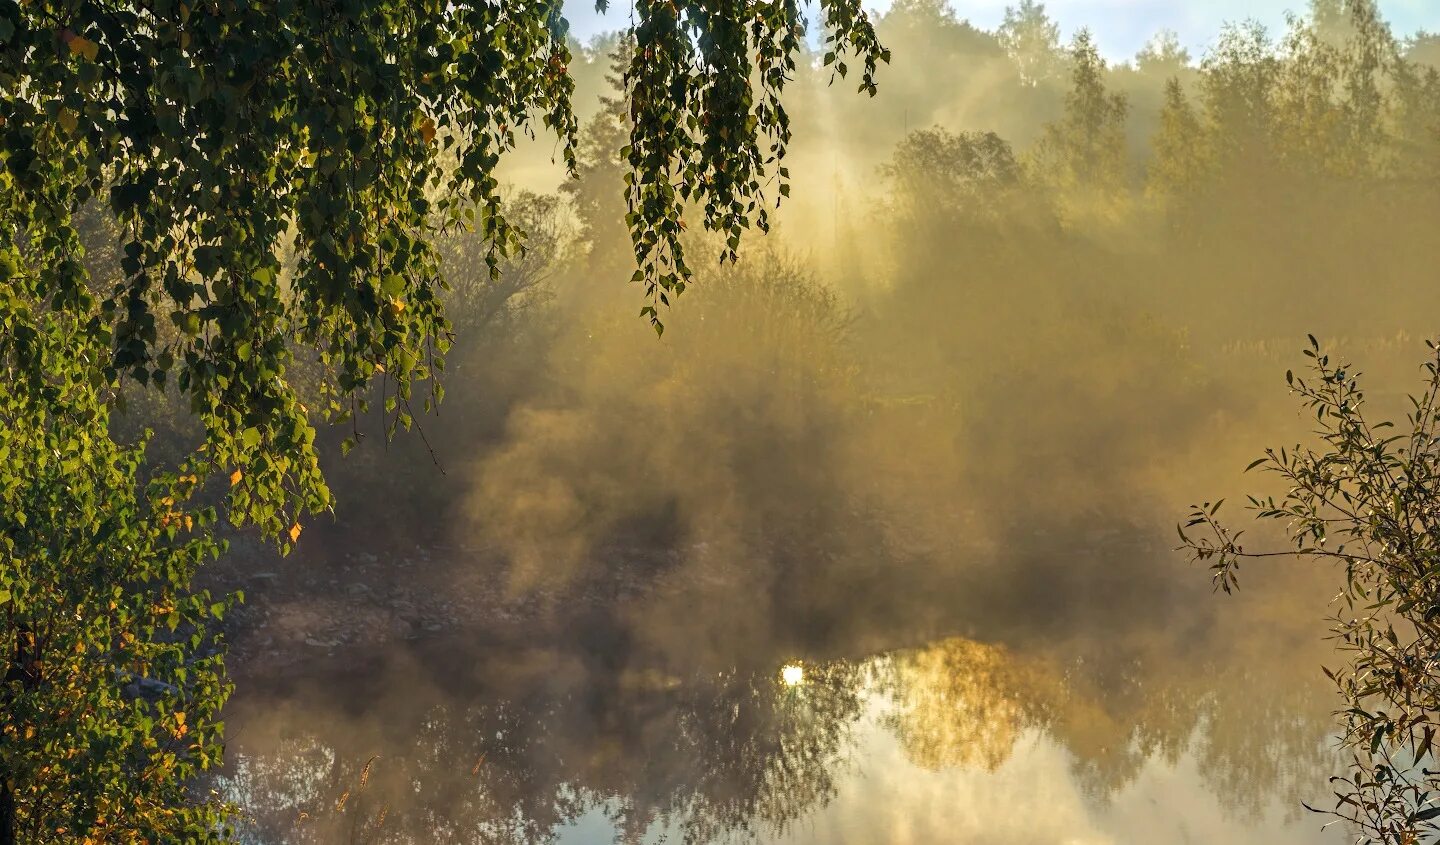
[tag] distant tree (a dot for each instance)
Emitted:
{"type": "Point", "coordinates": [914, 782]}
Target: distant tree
{"type": "Point", "coordinates": [1415, 110]}
{"type": "Point", "coordinates": [1328, 16]}
{"type": "Point", "coordinates": [1033, 41]}
{"type": "Point", "coordinates": [921, 15]}
{"type": "Point", "coordinates": [1370, 57]}
{"type": "Point", "coordinates": [1178, 160]}
{"type": "Point", "coordinates": [1308, 120]}
{"type": "Point", "coordinates": [1086, 149]}
{"type": "Point", "coordinates": [597, 192]}
{"type": "Point", "coordinates": [478, 299]}
{"type": "Point", "coordinates": [1423, 48]}
{"type": "Point", "coordinates": [939, 179]}
{"type": "Point", "coordinates": [1332, 98]}
{"type": "Point", "coordinates": [940, 55]}
{"type": "Point", "coordinates": [1238, 91]}
{"type": "Point", "coordinates": [1163, 54]}
{"type": "Point", "coordinates": [933, 29]}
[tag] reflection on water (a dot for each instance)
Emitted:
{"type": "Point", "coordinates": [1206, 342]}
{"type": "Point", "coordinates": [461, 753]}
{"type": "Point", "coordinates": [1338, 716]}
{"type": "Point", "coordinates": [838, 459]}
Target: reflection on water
{"type": "Point", "coordinates": [956, 741]}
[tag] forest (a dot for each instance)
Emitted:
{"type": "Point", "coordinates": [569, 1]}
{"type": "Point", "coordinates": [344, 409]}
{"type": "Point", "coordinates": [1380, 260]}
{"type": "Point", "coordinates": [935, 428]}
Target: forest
{"type": "Point", "coordinates": [424, 426]}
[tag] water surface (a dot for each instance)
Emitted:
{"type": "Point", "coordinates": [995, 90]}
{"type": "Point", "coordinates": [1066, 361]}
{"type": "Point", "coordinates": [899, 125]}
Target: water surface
{"type": "Point", "coordinates": [652, 706]}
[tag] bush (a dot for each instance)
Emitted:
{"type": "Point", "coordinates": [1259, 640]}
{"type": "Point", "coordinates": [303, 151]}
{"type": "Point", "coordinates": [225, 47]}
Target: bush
{"type": "Point", "coordinates": [1366, 497]}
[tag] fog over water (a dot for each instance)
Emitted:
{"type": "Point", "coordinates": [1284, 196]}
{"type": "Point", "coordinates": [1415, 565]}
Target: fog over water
{"type": "Point", "coordinates": [876, 543]}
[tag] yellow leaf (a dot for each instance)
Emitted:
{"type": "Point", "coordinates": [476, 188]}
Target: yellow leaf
{"type": "Point", "coordinates": [295, 533]}
{"type": "Point", "coordinates": [82, 46]}
{"type": "Point", "coordinates": [427, 130]}
{"type": "Point", "coordinates": [66, 119]}
{"type": "Point", "coordinates": [397, 306]}
{"type": "Point", "coordinates": [235, 477]}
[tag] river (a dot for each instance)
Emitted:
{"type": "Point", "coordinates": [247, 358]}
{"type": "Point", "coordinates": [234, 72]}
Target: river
{"type": "Point", "coordinates": [649, 707]}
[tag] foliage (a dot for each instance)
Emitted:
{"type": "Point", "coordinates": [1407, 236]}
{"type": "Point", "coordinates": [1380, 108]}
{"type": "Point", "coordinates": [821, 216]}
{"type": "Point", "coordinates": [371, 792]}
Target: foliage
{"type": "Point", "coordinates": [700, 135]}
{"type": "Point", "coordinates": [1363, 497]}
{"type": "Point", "coordinates": [114, 682]}
{"type": "Point", "coordinates": [227, 136]}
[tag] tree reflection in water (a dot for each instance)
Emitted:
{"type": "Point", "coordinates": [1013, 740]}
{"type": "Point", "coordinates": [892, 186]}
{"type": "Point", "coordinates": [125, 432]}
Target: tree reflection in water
{"type": "Point", "coordinates": [711, 757]}
{"type": "Point", "coordinates": [742, 754]}
{"type": "Point", "coordinates": [1254, 736]}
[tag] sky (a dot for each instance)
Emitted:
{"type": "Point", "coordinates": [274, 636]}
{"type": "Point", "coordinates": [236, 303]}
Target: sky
{"type": "Point", "coordinates": [1121, 27]}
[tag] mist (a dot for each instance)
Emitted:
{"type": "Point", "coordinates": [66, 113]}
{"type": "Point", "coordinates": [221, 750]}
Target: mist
{"type": "Point", "coordinates": [928, 438]}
